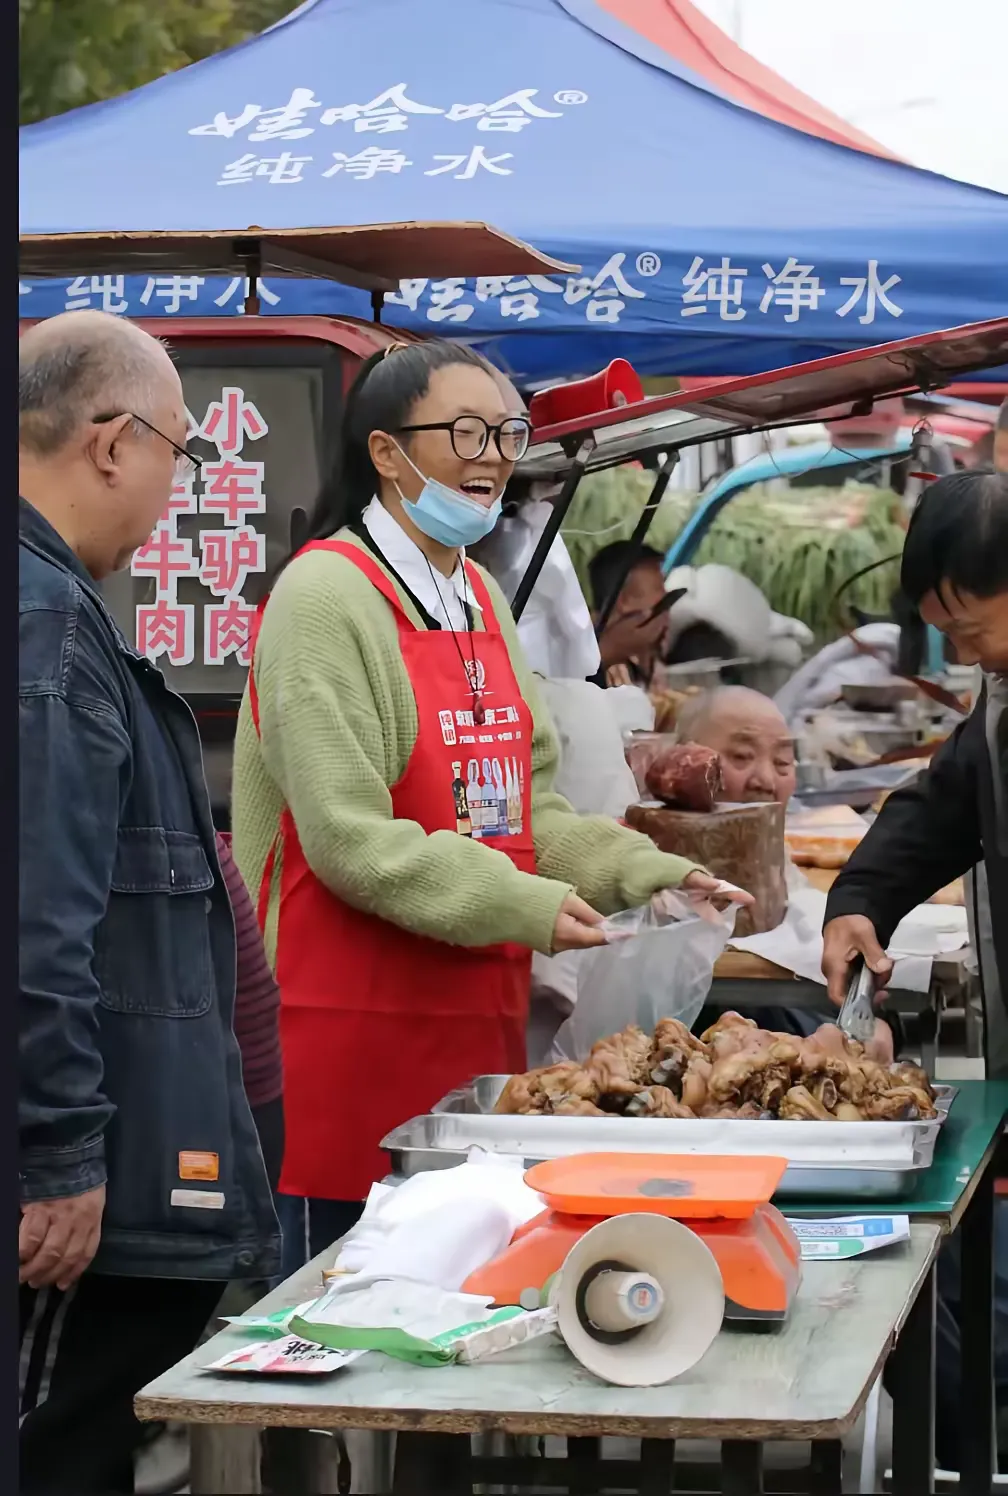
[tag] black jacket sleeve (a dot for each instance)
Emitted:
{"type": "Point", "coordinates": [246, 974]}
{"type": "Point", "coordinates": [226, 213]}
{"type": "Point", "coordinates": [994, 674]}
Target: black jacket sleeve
{"type": "Point", "coordinates": [73, 748]}
{"type": "Point", "coordinates": [923, 838]}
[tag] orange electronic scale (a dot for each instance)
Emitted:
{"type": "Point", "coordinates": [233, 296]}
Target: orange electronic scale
{"type": "Point", "coordinates": [723, 1201]}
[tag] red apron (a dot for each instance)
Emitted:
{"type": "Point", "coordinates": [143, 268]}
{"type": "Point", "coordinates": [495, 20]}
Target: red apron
{"type": "Point", "coordinates": [376, 1023]}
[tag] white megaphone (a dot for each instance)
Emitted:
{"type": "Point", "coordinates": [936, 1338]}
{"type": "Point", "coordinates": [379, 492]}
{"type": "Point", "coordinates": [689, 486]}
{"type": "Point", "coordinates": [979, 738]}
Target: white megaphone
{"type": "Point", "coordinates": [639, 1299]}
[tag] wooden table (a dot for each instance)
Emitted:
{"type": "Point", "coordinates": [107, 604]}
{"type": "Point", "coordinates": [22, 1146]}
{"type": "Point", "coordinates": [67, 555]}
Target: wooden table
{"type": "Point", "coordinates": [807, 1381]}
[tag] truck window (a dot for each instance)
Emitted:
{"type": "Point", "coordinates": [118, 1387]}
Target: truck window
{"type": "Point", "coordinates": [263, 419]}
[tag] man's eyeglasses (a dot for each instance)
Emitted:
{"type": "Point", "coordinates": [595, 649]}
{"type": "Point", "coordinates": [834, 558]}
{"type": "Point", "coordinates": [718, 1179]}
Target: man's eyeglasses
{"type": "Point", "coordinates": [470, 436]}
{"type": "Point", "coordinates": [186, 463]}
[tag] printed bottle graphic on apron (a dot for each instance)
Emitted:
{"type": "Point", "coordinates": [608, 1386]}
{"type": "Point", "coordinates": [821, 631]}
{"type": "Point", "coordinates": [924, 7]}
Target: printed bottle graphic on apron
{"type": "Point", "coordinates": [514, 805]}
{"type": "Point", "coordinates": [488, 797]}
{"type": "Point", "coordinates": [463, 821]}
{"type": "Point", "coordinates": [474, 798]}
{"type": "Point", "coordinates": [501, 794]}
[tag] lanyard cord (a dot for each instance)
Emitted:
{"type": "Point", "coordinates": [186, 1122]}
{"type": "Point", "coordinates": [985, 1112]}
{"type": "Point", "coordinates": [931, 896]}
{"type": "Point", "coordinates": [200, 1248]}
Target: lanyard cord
{"type": "Point", "coordinates": [478, 712]}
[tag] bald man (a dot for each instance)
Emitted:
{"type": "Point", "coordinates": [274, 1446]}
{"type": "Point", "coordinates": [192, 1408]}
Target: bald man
{"type": "Point", "coordinates": [757, 764]}
{"type": "Point", "coordinates": [142, 1190]}
{"type": "Point", "coordinates": [753, 739]}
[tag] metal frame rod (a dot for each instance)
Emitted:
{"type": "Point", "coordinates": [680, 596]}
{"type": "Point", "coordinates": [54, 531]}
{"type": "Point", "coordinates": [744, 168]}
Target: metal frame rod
{"type": "Point", "coordinates": [641, 528]}
{"type": "Point", "coordinates": [250, 254]}
{"type": "Point", "coordinates": [552, 527]}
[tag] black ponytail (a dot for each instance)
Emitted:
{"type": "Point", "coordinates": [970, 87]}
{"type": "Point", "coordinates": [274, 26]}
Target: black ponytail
{"type": "Point", "coordinates": [381, 398]}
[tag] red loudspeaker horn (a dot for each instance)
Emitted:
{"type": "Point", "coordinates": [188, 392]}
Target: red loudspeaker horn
{"type": "Point", "coordinates": [614, 386]}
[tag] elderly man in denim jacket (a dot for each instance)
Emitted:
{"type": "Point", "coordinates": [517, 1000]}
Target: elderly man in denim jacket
{"type": "Point", "coordinates": [142, 1186]}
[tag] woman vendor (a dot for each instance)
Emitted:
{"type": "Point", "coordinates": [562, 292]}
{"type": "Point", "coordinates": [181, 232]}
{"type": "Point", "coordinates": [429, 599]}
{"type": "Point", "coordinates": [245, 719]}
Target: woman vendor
{"type": "Point", "coordinates": [393, 805]}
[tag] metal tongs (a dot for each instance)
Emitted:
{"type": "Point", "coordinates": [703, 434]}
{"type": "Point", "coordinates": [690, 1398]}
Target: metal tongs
{"type": "Point", "coordinates": [857, 1016]}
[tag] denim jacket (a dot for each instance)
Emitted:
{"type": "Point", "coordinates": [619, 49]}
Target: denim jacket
{"type": "Point", "coordinates": [130, 1075]}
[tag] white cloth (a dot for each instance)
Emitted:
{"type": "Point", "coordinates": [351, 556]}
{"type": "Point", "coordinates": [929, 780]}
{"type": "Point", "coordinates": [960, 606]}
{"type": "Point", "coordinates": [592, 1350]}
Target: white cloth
{"type": "Point", "coordinates": [408, 561]}
{"type": "Point", "coordinates": [725, 600]}
{"type": "Point", "coordinates": [783, 627]}
{"type": "Point", "coordinates": [789, 638]}
{"type": "Point", "coordinates": [818, 682]}
{"type": "Point", "coordinates": [441, 1225]}
{"type": "Point", "coordinates": [632, 707]}
{"type": "Point", "coordinates": [928, 931]}
{"type": "Point", "coordinates": [592, 773]}
{"type": "Point", "coordinates": [556, 630]}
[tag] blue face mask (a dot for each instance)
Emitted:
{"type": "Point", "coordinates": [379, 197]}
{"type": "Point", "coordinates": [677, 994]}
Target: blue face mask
{"type": "Point", "coordinates": [444, 515]}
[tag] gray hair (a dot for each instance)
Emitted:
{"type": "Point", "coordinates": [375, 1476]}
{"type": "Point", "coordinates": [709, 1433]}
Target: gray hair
{"type": "Point", "coordinates": [75, 367]}
{"type": "Point", "coordinates": [1002, 419]}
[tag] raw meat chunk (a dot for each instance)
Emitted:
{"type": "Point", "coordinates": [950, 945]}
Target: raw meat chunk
{"type": "Point", "coordinates": [686, 775]}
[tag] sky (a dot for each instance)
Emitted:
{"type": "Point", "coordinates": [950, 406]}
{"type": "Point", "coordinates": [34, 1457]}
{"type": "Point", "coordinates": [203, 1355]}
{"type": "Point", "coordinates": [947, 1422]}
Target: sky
{"type": "Point", "coordinates": [926, 78]}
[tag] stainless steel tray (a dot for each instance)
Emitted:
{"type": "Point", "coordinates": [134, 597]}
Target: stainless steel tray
{"type": "Point", "coordinates": [826, 1160]}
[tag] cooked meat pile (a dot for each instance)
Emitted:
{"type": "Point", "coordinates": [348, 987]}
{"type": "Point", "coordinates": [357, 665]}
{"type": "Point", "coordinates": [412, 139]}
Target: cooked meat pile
{"type": "Point", "coordinates": [734, 1070]}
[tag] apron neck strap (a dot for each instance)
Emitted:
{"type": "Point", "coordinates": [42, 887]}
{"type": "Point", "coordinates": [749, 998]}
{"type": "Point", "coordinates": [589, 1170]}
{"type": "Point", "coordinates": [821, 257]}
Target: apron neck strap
{"type": "Point", "coordinates": [482, 596]}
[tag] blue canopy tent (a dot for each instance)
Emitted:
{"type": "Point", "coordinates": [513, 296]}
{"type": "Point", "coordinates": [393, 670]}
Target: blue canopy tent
{"type": "Point", "coordinates": [711, 239]}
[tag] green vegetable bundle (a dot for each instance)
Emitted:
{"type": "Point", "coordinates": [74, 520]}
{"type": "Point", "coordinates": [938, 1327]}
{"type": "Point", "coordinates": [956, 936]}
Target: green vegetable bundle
{"type": "Point", "coordinates": [797, 546]}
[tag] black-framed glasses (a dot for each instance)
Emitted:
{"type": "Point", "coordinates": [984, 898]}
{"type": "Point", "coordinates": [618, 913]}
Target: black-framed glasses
{"type": "Point", "coordinates": [470, 436]}
{"type": "Point", "coordinates": [186, 462]}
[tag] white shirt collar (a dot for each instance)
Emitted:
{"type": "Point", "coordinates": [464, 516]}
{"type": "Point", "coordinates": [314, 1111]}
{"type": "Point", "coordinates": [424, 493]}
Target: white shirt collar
{"type": "Point", "coordinates": [406, 558]}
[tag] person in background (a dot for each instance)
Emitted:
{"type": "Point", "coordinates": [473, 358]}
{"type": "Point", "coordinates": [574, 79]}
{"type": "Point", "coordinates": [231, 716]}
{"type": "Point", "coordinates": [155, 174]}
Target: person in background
{"type": "Point", "coordinates": [141, 1186]}
{"type": "Point", "coordinates": [752, 738]}
{"type": "Point", "coordinates": [630, 643]}
{"type": "Point", "coordinates": [954, 817]}
{"type": "Point", "coordinates": [392, 802]}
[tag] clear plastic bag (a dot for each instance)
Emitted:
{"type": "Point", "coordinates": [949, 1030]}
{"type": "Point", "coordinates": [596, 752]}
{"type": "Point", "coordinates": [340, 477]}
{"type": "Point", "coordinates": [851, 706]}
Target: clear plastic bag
{"type": "Point", "coordinates": [659, 963]}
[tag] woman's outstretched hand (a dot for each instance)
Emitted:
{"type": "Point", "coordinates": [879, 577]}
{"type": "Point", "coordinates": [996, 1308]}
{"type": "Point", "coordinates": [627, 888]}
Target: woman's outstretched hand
{"type": "Point", "coordinates": [702, 886]}
{"type": "Point", "coordinates": [577, 926]}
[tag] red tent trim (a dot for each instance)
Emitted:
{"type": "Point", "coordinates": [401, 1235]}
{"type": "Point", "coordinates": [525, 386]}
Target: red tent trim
{"type": "Point", "coordinates": [692, 39]}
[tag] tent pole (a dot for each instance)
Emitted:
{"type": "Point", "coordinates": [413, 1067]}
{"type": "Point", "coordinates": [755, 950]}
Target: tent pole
{"type": "Point", "coordinates": [637, 538]}
{"type": "Point", "coordinates": [251, 257]}
{"type": "Point", "coordinates": [552, 528]}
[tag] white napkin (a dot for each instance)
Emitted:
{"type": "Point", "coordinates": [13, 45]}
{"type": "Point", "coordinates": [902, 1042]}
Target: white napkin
{"type": "Point", "coordinates": [928, 931]}
{"type": "Point", "coordinates": [441, 1225]}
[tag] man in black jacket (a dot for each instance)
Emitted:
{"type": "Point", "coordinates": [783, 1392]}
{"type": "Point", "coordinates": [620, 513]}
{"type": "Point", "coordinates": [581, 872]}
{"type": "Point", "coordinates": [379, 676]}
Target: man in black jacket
{"type": "Point", "coordinates": [955, 568]}
{"type": "Point", "coordinates": [142, 1187]}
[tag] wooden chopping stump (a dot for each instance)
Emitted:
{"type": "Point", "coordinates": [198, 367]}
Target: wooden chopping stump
{"type": "Point", "coordinates": [744, 844]}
